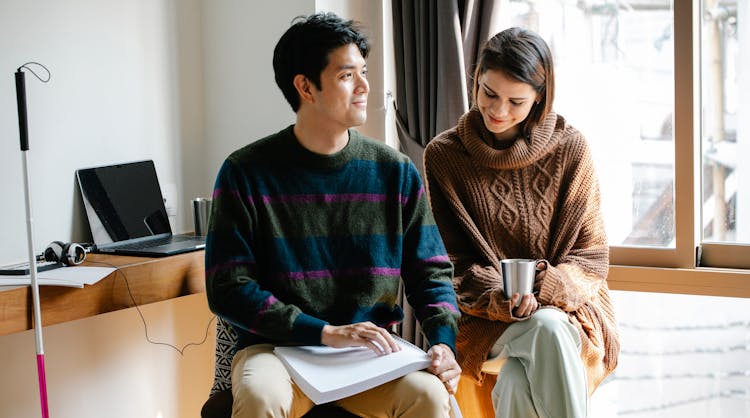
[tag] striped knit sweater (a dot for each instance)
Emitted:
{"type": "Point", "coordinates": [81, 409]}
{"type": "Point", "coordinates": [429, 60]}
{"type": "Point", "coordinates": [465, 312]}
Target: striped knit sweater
{"type": "Point", "coordinates": [298, 240]}
{"type": "Point", "coordinates": [538, 198]}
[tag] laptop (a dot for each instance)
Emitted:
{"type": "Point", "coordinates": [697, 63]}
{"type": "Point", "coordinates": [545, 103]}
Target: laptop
{"type": "Point", "coordinates": [126, 213]}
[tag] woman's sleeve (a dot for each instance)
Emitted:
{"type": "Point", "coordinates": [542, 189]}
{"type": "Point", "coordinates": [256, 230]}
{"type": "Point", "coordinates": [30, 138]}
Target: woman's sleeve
{"type": "Point", "coordinates": [478, 284]}
{"type": "Point", "coordinates": [576, 276]}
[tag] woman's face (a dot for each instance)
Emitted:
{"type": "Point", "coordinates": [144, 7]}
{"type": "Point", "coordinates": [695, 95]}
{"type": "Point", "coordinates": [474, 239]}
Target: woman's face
{"type": "Point", "coordinates": [504, 103]}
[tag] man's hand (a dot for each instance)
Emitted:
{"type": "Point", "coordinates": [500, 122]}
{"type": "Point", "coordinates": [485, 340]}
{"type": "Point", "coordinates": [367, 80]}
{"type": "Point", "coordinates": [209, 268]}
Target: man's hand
{"type": "Point", "coordinates": [361, 334]}
{"type": "Point", "coordinates": [444, 366]}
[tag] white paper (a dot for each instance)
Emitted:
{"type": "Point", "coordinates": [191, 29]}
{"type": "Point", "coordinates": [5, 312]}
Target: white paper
{"type": "Point", "coordinates": [72, 276]}
{"type": "Point", "coordinates": [327, 374]}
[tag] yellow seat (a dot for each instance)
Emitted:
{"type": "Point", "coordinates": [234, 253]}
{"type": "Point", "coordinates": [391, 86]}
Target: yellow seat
{"type": "Point", "coordinates": [475, 399]}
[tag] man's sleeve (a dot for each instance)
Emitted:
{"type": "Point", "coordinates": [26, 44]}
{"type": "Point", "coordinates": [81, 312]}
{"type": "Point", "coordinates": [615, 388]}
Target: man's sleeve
{"type": "Point", "coordinates": [233, 287]}
{"type": "Point", "coordinates": [427, 272]}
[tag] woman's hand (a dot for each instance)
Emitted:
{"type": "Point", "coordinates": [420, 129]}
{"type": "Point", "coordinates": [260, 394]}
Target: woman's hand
{"type": "Point", "coordinates": [445, 366]}
{"type": "Point", "coordinates": [528, 305]}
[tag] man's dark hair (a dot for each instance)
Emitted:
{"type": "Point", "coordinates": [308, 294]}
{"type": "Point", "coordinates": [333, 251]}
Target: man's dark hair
{"type": "Point", "coordinates": [304, 48]}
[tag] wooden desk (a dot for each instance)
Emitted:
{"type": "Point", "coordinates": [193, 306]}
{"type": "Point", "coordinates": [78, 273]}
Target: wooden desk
{"type": "Point", "coordinates": [149, 279]}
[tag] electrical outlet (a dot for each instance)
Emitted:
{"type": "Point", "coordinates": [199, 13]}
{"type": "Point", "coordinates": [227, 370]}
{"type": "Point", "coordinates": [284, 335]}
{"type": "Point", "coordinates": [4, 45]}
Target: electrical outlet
{"type": "Point", "coordinates": [169, 192]}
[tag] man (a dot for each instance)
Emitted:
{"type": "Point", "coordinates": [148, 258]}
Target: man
{"type": "Point", "coordinates": [313, 228]}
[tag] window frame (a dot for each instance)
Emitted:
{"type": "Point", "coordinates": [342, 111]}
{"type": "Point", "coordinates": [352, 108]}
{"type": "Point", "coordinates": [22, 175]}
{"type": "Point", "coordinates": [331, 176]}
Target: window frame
{"type": "Point", "coordinates": [691, 267]}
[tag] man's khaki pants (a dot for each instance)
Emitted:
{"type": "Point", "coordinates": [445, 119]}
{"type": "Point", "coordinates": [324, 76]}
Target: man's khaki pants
{"type": "Point", "coordinates": [262, 387]}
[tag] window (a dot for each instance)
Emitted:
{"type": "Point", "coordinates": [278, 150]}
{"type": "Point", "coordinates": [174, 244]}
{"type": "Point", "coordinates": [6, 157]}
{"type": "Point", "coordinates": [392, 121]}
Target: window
{"type": "Point", "coordinates": [725, 136]}
{"type": "Point", "coordinates": [655, 87]}
{"type": "Point", "coordinates": [615, 71]}
{"type": "Point", "coordinates": [720, 98]}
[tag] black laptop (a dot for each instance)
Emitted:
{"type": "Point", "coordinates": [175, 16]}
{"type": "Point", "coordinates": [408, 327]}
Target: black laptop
{"type": "Point", "coordinates": [126, 213]}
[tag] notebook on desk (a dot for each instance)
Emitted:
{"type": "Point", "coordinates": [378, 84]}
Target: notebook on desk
{"type": "Point", "coordinates": [126, 213]}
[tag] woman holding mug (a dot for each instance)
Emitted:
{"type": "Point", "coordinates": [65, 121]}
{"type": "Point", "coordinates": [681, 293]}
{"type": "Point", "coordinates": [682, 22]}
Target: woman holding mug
{"type": "Point", "coordinates": [514, 180]}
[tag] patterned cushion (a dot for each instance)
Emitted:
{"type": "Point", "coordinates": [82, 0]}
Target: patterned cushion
{"type": "Point", "coordinates": [226, 338]}
{"type": "Point", "coordinates": [219, 404]}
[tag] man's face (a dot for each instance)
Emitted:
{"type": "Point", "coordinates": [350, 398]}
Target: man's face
{"type": "Point", "coordinates": [342, 98]}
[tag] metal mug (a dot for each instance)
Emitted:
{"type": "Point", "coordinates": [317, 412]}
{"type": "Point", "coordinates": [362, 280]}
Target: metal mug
{"type": "Point", "coordinates": [201, 211]}
{"type": "Point", "coordinates": [518, 276]}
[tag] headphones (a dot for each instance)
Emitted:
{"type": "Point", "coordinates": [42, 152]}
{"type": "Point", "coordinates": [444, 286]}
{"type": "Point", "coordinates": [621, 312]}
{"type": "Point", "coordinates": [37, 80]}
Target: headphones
{"type": "Point", "coordinates": [67, 253]}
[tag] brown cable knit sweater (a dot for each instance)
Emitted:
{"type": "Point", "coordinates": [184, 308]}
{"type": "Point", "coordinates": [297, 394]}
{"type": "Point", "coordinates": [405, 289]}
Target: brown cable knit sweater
{"type": "Point", "coordinates": [538, 199]}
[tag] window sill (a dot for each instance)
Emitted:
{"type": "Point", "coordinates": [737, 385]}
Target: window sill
{"type": "Point", "coordinates": [698, 281]}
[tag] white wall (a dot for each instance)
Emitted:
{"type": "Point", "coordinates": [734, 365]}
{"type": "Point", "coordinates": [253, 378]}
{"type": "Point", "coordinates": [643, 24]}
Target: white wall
{"type": "Point", "coordinates": [242, 101]}
{"type": "Point", "coordinates": [370, 14]}
{"type": "Point", "coordinates": [183, 82]}
{"type": "Point", "coordinates": [126, 85]}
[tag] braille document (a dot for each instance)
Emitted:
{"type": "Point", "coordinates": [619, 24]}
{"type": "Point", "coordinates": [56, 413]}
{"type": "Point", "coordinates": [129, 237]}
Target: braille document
{"type": "Point", "coordinates": [327, 374]}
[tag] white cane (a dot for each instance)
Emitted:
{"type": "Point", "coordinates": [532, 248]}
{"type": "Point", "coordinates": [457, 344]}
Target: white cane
{"type": "Point", "coordinates": [24, 133]}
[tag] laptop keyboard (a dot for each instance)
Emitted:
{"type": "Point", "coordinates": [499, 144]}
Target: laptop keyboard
{"type": "Point", "coordinates": [156, 242]}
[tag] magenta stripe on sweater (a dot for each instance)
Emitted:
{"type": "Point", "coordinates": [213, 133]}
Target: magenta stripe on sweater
{"type": "Point", "coordinates": [266, 306]}
{"type": "Point", "coordinates": [325, 198]}
{"type": "Point", "coordinates": [420, 192]}
{"type": "Point", "coordinates": [319, 198]}
{"type": "Point", "coordinates": [437, 258]}
{"type": "Point", "coordinates": [219, 192]}
{"type": "Point", "coordinates": [327, 274]}
{"type": "Point", "coordinates": [445, 305]}
{"type": "Point", "coordinates": [405, 199]}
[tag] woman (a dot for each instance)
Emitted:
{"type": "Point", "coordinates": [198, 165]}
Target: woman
{"type": "Point", "coordinates": [515, 180]}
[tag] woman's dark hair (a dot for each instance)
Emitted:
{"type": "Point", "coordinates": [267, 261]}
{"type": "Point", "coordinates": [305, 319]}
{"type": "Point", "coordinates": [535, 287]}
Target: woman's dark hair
{"type": "Point", "coordinates": [523, 55]}
{"type": "Point", "coordinates": [304, 48]}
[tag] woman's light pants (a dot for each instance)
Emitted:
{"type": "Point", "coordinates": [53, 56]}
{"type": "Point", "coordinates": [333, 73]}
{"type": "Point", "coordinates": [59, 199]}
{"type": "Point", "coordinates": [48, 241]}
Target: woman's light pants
{"type": "Point", "coordinates": [543, 375]}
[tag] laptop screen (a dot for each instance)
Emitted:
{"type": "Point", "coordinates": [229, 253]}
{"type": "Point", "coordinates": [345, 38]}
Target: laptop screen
{"type": "Point", "coordinates": [123, 201]}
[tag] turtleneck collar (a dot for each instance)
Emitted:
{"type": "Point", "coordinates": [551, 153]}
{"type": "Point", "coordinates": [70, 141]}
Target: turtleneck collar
{"type": "Point", "coordinates": [523, 152]}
